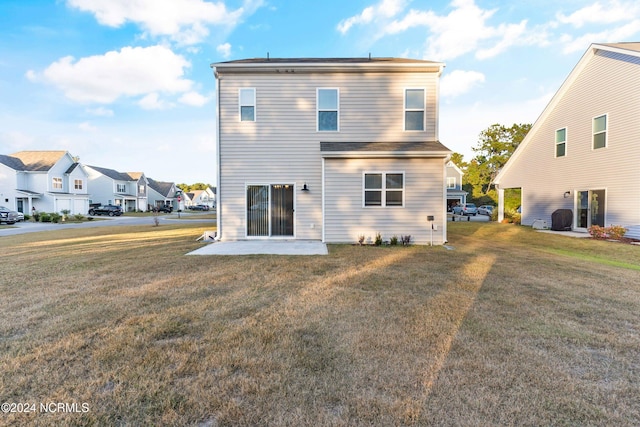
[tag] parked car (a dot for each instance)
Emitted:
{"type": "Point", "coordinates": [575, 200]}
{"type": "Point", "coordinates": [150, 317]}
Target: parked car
{"type": "Point", "coordinates": [199, 207]}
{"type": "Point", "coordinates": [485, 210]}
{"type": "Point", "coordinates": [465, 209]}
{"type": "Point", "coordinates": [111, 210]}
{"type": "Point", "coordinates": [164, 208]}
{"type": "Point", "coordinates": [8, 216]}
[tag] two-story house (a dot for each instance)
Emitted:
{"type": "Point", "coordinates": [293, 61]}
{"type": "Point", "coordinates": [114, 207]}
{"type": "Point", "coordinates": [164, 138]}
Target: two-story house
{"type": "Point", "coordinates": [127, 190]}
{"type": "Point", "coordinates": [330, 149]}
{"type": "Point", "coordinates": [47, 181]}
{"type": "Point", "coordinates": [583, 153]}
{"type": "Point", "coordinates": [161, 193]}
{"type": "Point", "coordinates": [455, 194]}
{"type": "Point", "coordinates": [206, 197]}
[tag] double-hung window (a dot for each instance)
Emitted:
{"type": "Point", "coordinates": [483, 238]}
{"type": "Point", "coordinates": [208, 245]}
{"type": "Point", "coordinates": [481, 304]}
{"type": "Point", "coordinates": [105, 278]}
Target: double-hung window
{"type": "Point", "coordinates": [600, 132]}
{"type": "Point", "coordinates": [247, 102]}
{"type": "Point", "coordinates": [57, 183]}
{"type": "Point", "coordinates": [451, 182]}
{"type": "Point", "coordinates": [121, 188]}
{"type": "Point", "coordinates": [383, 189]}
{"type": "Point", "coordinates": [561, 142]}
{"type": "Point", "coordinates": [414, 109]}
{"type": "Point", "coordinates": [327, 104]}
{"type": "Point", "coordinates": [77, 184]}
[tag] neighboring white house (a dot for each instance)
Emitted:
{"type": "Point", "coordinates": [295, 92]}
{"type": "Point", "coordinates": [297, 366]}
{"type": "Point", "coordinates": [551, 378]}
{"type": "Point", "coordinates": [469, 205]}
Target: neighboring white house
{"type": "Point", "coordinates": [127, 190]}
{"type": "Point", "coordinates": [330, 149]}
{"type": "Point", "coordinates": [455, 194]}
{"type": "Point", "coordinates": [583, 153]}
{"type": "Point", "coordinates": [49, 181]}
{"type": "Point", "coordinates": [205, 197]}
{"type": "Point", "coordinates": [161, 193]}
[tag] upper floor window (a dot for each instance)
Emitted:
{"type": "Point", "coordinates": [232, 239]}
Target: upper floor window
{"type": "Point", "coordinates": [451, 182]}
{"type": "Point", "coordinates": [561, 142]}
{"type": "Point", "coordinates": [414, 108]}
{"type": "Point", "coordinates": [600, 132]}
{"type": "Point", "coordinates": [247, 104]}
{"type": "Point", "coordinates": [121, 188]}
{"type": "Point", "coordinates": [57, 183]}
{"type": "Point", "coordinates": [327, 106]}
{"type": "Point", "coordinates": [78, 184]}
{"type": "Point", "coordinates": [141, 189]}
{"type": "Point", "coordinates": [384, 189]}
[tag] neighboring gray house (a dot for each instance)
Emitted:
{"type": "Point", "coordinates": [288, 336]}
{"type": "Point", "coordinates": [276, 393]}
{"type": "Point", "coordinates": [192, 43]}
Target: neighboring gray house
{"type": "Point", "coordinates": [455, 194]}
{"type": "Point", "coordinates": [583, 153]}
{"type": "Point", "coordinates": [127, 190]}
{"type": "Point", "coordinates": [49, 181]}
{"type": "Point", "coordinates": [330, 149]}
{"type": "Point", "coordinates": [161, 193]}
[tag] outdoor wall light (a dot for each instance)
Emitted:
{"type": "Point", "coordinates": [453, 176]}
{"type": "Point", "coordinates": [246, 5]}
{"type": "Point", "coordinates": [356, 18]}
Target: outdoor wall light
{"type": "Point", "coordinates": [305, 187]}
{"type": "Point", "coordinates": [567, 194]}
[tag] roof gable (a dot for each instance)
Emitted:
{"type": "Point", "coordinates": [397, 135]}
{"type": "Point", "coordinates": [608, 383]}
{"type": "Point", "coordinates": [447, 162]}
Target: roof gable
{"type": "Point", "coordinates": [38, 161]}
{"type": "Point", "coordinates": [631, 49]}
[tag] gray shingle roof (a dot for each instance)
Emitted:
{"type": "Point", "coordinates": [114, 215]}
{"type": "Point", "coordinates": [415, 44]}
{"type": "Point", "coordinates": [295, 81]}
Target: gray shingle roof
{"type": "Point", "coordinates": [398, 148]}
{"type": "Point", "coordinates": [113, 174]}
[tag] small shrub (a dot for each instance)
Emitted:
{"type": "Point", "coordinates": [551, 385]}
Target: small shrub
{"type": "Point", "coordinates": [78, 217]}
{"type": "Point", "coordinates": [27, 217]}
{"type": "Point", "coordinates": [405, 240]}
{"type": "Point", "coordinates": [378, 240]}
{"type": "Point", "coordinates": [393, 241]}
{"type": "Point", "coordinates": [55, 217]}
{"type": "Point", "coordinates": [361, 239]}
{"type": "Point", "coordinates": [36, 216]}
{"type": "Point", "coordinates": [44, 217]}
{"type": "Point", "coordinates": [616, 231]}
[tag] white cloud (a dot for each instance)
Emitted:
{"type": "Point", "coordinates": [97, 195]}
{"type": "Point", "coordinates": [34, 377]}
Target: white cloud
{"type": "Point", "coordinates": [152, 101]}
{"type": "Point", "coordinates": [576, 44]}
{"type": "Point", "coordinates": [185, 21]}
{"type": "Point", "coordinates": [194, 99]}
{"type": "Point", "coordinates": [224, 50]}
{"type": "Point", "coordinates": [465, 29]}
{"type": "Point", "coordinates": [601, 13]}
{"type": "Point", "coordinates": [384, 9]}
{"type": "Point", "coordinates": [128, 72]}
{"type": "Point", "coordinates": [100, 111]}
{"type": "Point", "coordinates": [87, 127]}
{"type": "Point", "coordinates": [459, 82]}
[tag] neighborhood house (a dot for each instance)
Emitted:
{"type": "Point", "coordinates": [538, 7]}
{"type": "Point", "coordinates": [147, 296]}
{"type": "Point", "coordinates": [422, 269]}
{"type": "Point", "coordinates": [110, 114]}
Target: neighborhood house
{"type": "Point", "coordinates": [582, 154]}
{"type": "Point", "coordinates": [330, 149]}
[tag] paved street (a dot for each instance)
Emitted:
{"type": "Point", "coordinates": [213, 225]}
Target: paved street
{"type": "Point", "coordinates": [101, 221]}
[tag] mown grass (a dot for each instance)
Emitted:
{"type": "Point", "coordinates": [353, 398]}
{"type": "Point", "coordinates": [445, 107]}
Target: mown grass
{"type": "Point", "coordinates": [512, 327]}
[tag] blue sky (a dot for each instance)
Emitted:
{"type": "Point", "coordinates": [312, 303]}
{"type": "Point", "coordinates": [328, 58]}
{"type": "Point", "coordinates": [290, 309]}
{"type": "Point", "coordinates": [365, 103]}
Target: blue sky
{"type": "Point", "coordinates": [127, 84]}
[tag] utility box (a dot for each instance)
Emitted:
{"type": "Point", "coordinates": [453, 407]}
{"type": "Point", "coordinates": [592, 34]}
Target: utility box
{"type": "Point", "coordinates": [539, 224]}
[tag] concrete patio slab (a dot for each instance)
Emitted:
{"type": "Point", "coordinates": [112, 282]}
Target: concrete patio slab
{"type": "Point", "coordinates": [576, 234]}
{"type": "Point", "coordinates": [264, 247]}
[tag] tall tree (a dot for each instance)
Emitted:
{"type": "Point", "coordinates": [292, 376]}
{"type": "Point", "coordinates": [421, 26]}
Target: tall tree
{"type": "Point", "coordinates": [496, 144]}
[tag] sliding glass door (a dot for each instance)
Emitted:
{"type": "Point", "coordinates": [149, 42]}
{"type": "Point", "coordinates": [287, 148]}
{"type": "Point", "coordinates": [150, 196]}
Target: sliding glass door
{"type": "Point", "coordinates": [270, 210]}
{"type": "Point", "coordinates": [590, 208]}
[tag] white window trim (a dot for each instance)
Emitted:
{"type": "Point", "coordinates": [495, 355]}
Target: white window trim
{"type": "Point", "coordinates": [452, 179]}
{"type": "Point", "coordinates": [240, 105]}
{"type": "Point", "coordinates": [566, 138]}
{"type": "Point", "coordinates": [405, 109]}
{"type": "Point", "coordinates": [57, 179]}
{"type": "Point", "coordinates": [318, 110]}
{"type": "Point", "coordinates": [78, 184]}
{"type": "Point", "coordinates": [605, 131]}
{"type": "Point", "coordinates": [384, 188]}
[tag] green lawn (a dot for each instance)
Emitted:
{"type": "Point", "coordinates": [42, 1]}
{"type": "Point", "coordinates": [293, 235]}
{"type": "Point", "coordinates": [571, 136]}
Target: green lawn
{"type": "Point", "coordinates": [512, 327]}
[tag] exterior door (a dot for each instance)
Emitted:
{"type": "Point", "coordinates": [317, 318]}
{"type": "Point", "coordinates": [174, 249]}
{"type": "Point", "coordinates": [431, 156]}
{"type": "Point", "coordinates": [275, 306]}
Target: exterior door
{"type": "Point", "coordinates": [590, 208]}
{"type": "Point", "coordinates": [270, 210]}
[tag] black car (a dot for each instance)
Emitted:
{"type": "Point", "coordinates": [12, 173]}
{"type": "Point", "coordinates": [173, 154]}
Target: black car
{"type": "Point", "coordinates": [110, 210]}
{"type": "Point", "coordinates": [164, 208]}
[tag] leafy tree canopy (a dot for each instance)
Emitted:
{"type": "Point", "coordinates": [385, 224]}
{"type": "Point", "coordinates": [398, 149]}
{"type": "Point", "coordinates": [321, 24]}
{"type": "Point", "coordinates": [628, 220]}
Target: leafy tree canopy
{"type": "Point", "coordinates": [197, 186]}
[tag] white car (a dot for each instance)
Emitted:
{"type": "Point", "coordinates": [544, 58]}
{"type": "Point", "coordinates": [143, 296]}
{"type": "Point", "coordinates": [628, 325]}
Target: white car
{"type": "Point", "coordinates": [485, 210]}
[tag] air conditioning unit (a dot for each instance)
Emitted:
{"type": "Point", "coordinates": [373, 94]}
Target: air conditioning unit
{"type": "Point", "coordinates": [540, 224]}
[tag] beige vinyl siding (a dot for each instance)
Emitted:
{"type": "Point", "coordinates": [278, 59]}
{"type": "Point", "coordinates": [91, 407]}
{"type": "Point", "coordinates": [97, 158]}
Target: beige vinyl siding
{"type": "Point", "coordinates": [346, 218]}
{"type": "Point", "coordinates": [605, 85]}
{"type": "Point", "coordinates": [283, 146]}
